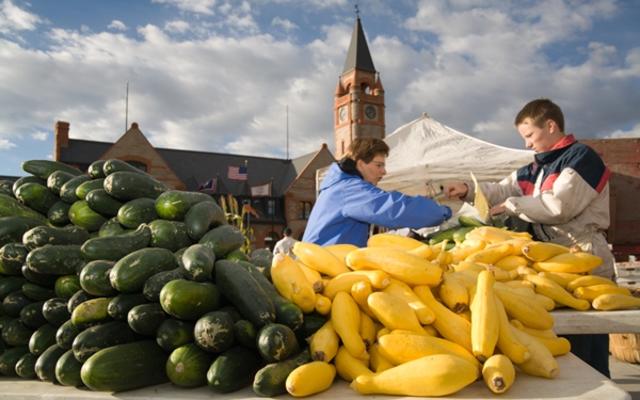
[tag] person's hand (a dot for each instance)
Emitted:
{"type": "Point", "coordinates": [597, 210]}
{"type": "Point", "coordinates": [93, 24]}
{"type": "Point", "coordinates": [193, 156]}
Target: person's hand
{"type": "Point", "coordinates": [499, 209]}
{"type": "Point", "coordinates": [456, 190]}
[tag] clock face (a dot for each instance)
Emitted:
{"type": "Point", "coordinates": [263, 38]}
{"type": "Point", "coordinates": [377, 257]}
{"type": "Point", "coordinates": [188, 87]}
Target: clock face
{"type": "Point", "coordinates": [370, 111]}
{"type": "Point", "coordinates": [342, 113]}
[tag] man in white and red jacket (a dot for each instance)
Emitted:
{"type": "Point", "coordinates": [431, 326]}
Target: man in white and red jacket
{"type": "Point", "coordinates": [563, 194]}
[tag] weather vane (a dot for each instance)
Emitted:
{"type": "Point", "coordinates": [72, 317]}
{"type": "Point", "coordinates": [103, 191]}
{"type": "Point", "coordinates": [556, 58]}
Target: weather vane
{"type": "Point", "coordinates": [357, 9]}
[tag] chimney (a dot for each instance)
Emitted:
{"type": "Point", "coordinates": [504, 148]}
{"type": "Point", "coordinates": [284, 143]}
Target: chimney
{"type": "Point", "coordinates": [61, 138]}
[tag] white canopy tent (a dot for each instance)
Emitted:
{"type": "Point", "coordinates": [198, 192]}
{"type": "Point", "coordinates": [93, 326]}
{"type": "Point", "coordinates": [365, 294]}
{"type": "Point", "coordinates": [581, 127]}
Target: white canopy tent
{"type": "Point", "coordinates": [425, 153]}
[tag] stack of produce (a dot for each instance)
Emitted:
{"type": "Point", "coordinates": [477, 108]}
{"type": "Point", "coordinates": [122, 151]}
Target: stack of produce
{"type": "Point", "coordinates": [111, 281]}
{"type": "Point", "coordinates": [409, 318]}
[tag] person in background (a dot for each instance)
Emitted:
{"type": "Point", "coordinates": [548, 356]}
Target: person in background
{"type": "Point", "coordinates": [285, 245]}
{"type": "Point", "coordinates": [349, 200]}
{"type": "Point", "coordinates": [563, 194]}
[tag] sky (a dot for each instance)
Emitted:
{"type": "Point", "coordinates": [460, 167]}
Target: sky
{"type": "Point", "coordinates": [220, 75]}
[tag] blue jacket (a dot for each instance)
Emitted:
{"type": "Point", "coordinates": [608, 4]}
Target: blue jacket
{"type": "Point", "coordinates": [347, 204]}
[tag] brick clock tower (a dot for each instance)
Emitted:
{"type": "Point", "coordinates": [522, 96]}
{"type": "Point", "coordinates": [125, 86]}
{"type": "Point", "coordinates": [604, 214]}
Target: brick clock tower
{"type": "Point", "coordinates": [359, 98]}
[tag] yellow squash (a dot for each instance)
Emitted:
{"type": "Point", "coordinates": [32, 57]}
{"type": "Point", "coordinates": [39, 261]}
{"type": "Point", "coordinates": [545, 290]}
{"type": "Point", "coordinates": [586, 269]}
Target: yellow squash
{"type": "Point", "coordinates": [318, 258]}
{"type": "Point", "coordinates": [435, 375]}
{"type": "Point", "coordinates": [484, 318]}
{"type": "Point", "coordinates": [345, 316]}
{"type": "Point", "coordinates": [348, 367]}
{"type": "Point", "coordinates": [498, 373]}
{"type": "Point", "coordinates": [393, 312]}
{"type": "Point", "coordinates": [403, 291]}
{"type": "Point", "coordinates": [399, 264]}
{"type": "Point", "coordinates": [311, 378]}
{"type": "Point", "coordinates": [324, 343]}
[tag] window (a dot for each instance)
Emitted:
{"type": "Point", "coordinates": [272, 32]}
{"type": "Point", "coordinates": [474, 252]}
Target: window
{"type": "Point", "coordinates": [271, 207]}
{"type": "Point", "coordinates": [305, 209]}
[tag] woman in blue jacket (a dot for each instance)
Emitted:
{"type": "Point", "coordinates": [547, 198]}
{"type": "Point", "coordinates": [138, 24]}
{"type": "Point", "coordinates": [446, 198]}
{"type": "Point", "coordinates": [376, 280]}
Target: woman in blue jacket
{"type": "Point", "coordinates": [349, 200]}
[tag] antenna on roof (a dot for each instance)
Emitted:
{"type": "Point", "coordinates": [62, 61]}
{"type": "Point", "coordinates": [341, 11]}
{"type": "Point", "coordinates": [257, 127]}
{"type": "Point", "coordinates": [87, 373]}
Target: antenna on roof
{"type": "Point", "coordinates": [126, 108]}
{"type": "Point", "coordinates": [287, 132]}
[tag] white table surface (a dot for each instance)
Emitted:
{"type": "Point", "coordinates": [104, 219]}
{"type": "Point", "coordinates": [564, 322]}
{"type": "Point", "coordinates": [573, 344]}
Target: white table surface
{"type": "Point", "coordinates": [576, 380]}
{"type": "Point", "coordinates": [576, 322]}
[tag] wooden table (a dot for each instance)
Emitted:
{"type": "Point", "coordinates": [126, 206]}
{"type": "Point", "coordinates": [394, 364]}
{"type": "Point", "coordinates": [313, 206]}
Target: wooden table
{"type": "Point", "coordinates": [578, 322]}
{"type": "Point", "coordinates": [576, 380]}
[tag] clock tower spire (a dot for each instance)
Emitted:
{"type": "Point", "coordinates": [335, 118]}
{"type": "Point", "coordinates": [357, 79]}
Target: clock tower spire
{"type": "Point", "coordinates": [359, 97]}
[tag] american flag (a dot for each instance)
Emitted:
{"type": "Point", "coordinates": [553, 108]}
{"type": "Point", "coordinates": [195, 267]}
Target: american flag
{"type": "Point", "coordinates": [237, 173]}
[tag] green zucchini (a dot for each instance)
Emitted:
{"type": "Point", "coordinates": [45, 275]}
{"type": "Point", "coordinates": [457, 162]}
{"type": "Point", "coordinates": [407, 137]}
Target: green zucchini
{"type": "Point", "coordinates": [58, 213]}
{"type": "Point", "coordinates": [156, 282]}
{"type": "Point", "coordinates": [213, 331]}
{"type": "Point", "coordinates": [170, 235]}
{"type": "Point", "coordinates": [116, 247]}
{"type": "Point", "coordinates": [12, 228]}
{"type": "Point", "coordinates": [55, 311]}
{"type": "Point", "coordinates": [146, 318]}
{"type": "Point", "coordinates": [26, 179]}
{"type": "Point", "coordinates": [47, 280]}
{"type": "Point", "coordinates": [9, 284]}
{"type": "Point", "coordinates": [36, 196]}
{"type": "Point", "coordinates": [25, 367]}
{"type": "Point", "coordinates": [173, 333]}
{"type": "Point", "coordinates": [223, 240]}
{"type": "Point", "coordinates": [136, 212]}
{"type": "Point", "coordinates": [460, 235]}
{"type": "Point", "coordinates": [198, 261]}
{"type": "Point", "coordinates": [66, 334]}
{"type": "Point", "coordinates": [189, 300]}
{"type": "Point", "coordinates": [42, 339]}
{"type": "Point", "coordinates": [67, 370]}
{"type": "Point", "coordinates": [270, 381]}
{"type": "Point", "coordinates": [42, 235]}
{"type": "Point", "coordinates": [126, 185]}
{"type": "Point", "coordinates": [439, 236]}
{"type": "Point", "coordinates": [66, 286]}
{"type": "Point", "coordinates": [88, 186]}
{"type": "Point", "coordinates": [129, 274]}
{"type": "Point", "coordinates": [82, 215]}
{"type": "Point", "coordinates": [239, 287]}
{"type": "Point", "coordinates": [470, 221]}
{"type": "Point", "coordinates": [76, 299]}
{"type": "Point", "coordinates": [120, 305]}
{"type": "Point", "coordinates": [233, 370]}
{"type": "Point", "coordinates": [203, 216]}
{"type": "Point", "coordinates": [57, 179]}
{"type": "Point", "coordinates": [187, 366]}
{"type": "Point", "coordinates": [287, 312]}
{"type": "Point", "coordinates": [68, 190]}
{"type": "Point", "coordinates": [31, 315]}
{"type": "Point", "coordinates": [46, 364]}
{"type": "Point", "coordinates": [14, 302]}
{"type": "Point", "coordinates": [125, 367]}
{"type": "Point", "coordinates": [56, 259]}
{"type": "Point", "coordinates": [237, 255]}
{"type": "Point", "coordinates": [115, 165]}
{"type": "Point", "coordinates": [94, 278]}
{"type": "Point", "coordinates": [10, 207]}
{"type": "Point", "coordinates": [90, 311]}
{"type": "Point", "coordinates": [100, 202]}
{"type": "Point", "coordinates": [112, 228]}
{"type": "Point", "coordinates": [5, 187]}
{"type": "Point", "coordinates": [245, 333]}
{"type": "Point", "coordinates": [12, 258]}
{"type": "Point", "coordinates": [98, 337]}
{"type": "Point", "coordinates": [174, 204]}
{"type": "Point", "coordinates": [9, 358]}
{"type": "Point", "coordinates": [43, 168]}
{"type": "Point", "coordinates": [277, 342]}
{"type": "Point", "coordinates": [15, 333]}
{"type": "Point", "coordinates": [96, 169]}
{"type": "Point", "coordinates": [36, 292]}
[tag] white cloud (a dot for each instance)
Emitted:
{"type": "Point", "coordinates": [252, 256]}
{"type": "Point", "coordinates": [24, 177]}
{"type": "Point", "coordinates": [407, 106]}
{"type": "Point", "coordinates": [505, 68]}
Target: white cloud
{"type": "Point", "coordinates": [40, 136]}
{"type": "Point", "coordinates": [177, 26]}
{"type": "Point", "coordinates": [14, 18]}
{"type": "Point", "coordinates": [634, 132]}
{"type": "Point", "coordinates": [6, 144]}
{"type": "Point", "coordinates": [117, 25]}
{"type": "Point", "coordinates": [284, 23]}
{"type": "Point", "coordinates": [194, 6]}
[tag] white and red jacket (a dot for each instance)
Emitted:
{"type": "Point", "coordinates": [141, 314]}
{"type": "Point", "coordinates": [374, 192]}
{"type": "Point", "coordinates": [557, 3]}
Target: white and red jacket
{"type": "Point", "coordinates": [564, 194]}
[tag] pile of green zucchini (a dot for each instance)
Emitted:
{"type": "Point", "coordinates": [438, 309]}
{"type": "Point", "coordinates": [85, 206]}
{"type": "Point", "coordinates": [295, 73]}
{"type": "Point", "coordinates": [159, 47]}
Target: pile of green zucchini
{"type": "Point", "coordinates": [111, 281]}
